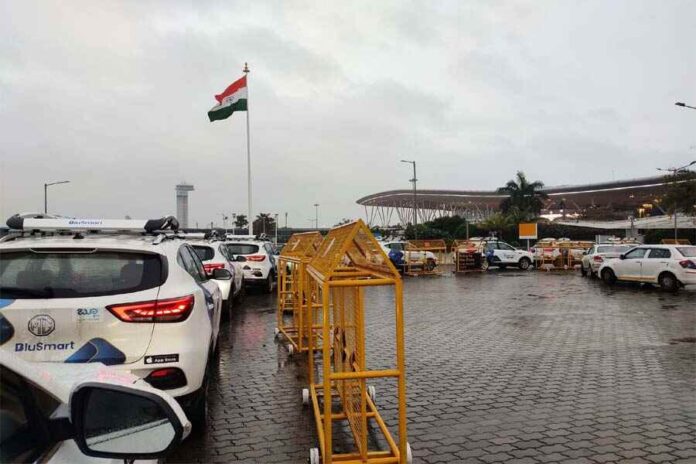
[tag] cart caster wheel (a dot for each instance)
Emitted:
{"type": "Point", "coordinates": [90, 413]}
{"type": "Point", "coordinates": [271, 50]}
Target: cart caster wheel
{"type": "Point", "coordinates": [372, 392]}
{"type": "Point", "coordinates": [314, 456]}
{"type": "Point", "coordinates": [305, 397]}
{"type": "Point", "coordinates": [409, 454]}
{"type": "Point", "coordinates": [291, 349]}
{"type": "Point", "coordinates": [276, 331]}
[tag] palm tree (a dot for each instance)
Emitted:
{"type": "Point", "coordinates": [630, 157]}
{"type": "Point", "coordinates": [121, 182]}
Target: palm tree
{"type": "Point", "coordinates": [264, 224]}
{"type": "Point", "coordinates": [524, 197]}
{"type": "Point", "coordinates": [497, 222]}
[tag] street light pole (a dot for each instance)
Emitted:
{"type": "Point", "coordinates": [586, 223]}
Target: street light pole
{"type": "Point", "coordinates": [316, 216]}
{"type": "Point", "coordinates": [684, 105]}
{"type": "Point", "coordinates": [674, 172]}
{"type": "Point", "coordinates": [275, 226]}
{"type": "Point", "coordinates": [46, 192]}
{"type": "Point", "coordinates": [415, 198]}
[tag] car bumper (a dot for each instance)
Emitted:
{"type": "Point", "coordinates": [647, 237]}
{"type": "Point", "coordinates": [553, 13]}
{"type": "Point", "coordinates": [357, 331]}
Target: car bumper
{"type": "Point", "coordinates": [687, 277]}
{"type": "Point", "coordinates": [255, 276]}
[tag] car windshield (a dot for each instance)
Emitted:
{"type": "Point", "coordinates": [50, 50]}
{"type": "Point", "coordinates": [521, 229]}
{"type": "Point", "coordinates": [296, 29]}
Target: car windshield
{"type": "Point", "coordinates": [242, 248]}
{"type": "Point", "coordinates": [614, 248]}
{"type": "Point", "coordinates": [75, 274]}
{"type": "Point", "coordinates": [205, 253]}
{"type": "Point", "coordinates": [687, 252]}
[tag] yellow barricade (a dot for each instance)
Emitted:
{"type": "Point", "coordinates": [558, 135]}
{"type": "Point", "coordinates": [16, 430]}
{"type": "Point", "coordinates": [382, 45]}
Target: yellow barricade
{"type": "Point", "coordinates": [469, 256]}
{"type": "Point", "coordinates": [422, 257]}
{"type": "Point", "coordinates": [292, 283]}
{"type": "Point", "coordinates": [559, 254]}
{"type": "Point", "coordinates": [349, 260]}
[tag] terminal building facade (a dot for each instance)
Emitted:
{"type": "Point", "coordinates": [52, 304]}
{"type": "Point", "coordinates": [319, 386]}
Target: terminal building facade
{"type": "Point", "coordinates": [606, 200]}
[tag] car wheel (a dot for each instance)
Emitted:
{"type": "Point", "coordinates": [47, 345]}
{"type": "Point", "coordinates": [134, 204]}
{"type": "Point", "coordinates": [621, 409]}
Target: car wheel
{"type": "Point", "coordinates": [227, 307]}
{"type": "Point", "coordinates": [524, 264]}
{"type": "Point", "coordinates": [197, 412]}
{"type": "Point", "coordinates": [268, 286]}
{"type": "Point", "coordinates": [608, 277]}
{"type": "Point", "coordinates": [668, 282]}
{"type": "Point", "coordinates": [583, 271]}
{"type": "Point", "coordinates": [430, 265]}
{"type": "Point", "coordinates": [241, 294]}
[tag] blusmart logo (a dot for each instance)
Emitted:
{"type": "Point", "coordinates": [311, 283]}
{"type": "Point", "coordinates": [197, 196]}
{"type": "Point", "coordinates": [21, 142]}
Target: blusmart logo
{"type": "Point", "coordinates": [84, 222]}
{"type": "Point", "coordinates": [41, 346]}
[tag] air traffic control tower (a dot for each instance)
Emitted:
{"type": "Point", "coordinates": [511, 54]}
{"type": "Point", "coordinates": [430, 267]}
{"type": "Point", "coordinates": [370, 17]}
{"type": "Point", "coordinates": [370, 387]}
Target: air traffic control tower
{"type": "Point", "coordinates": [182, 209]}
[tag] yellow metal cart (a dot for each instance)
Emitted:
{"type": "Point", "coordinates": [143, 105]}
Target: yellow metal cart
{"type": "Point", "coordinates": [292, 283]}
{"type": "Point", "coordinates": [349, 260]}
{"type": "Point", "coordinates": [417, 260]}
{"type": "Point", "coordinates": [469, 256]}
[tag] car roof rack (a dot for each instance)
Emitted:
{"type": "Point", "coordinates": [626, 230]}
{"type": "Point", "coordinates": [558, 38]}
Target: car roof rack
{"type": "Point", "coordinates": [34, 222]}
{"type": "Point", "coordinates": [240, 237]}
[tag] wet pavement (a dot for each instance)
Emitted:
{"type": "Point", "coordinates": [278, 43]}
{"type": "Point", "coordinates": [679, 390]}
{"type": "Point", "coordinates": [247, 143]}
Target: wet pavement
{"type": "Point", "coordinates": [517, 367]}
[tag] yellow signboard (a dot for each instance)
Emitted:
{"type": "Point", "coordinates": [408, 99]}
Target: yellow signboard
{"type": "Point", "coordinates": [528, 230]}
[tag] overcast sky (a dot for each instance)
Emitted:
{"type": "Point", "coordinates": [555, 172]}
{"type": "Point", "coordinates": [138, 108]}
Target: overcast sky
{"type": "Point", "coordinates": [113, 96]}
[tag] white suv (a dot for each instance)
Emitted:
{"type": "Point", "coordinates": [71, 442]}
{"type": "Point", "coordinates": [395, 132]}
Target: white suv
{"type": "Point", "coordinates": [213, 254]}
{"type": "Point", "coordinates": [137, 300]}
{"type": "Point", "coordinates": [669, 266]}
{"type": "Point", "coordinates": [501, 254]}
{"type": "Point", "coordinates": [260, 266]}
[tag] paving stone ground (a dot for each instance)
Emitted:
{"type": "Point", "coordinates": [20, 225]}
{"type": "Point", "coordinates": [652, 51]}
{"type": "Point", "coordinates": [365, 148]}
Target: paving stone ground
{"type": "Point", "coordinates": [515, 367]}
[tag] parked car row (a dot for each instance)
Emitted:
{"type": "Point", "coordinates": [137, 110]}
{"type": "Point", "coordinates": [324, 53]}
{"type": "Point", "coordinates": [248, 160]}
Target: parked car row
{"type": "Point", "coordinates": [137, 296]}
{"type": "Point", "coordinates": [669, 266]}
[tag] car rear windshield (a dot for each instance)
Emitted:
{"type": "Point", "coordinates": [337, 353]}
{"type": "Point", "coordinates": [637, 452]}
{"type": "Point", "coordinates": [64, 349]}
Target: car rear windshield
{"type": "Point", "coordinates": [614, 249]}
{"type": "Point", "coordinates": [76, 274]}
{"type": "Point", "coordinates": [242, 248]}
{"type": "Point", "coordinates": [205, 253]}
{"type": "Point", "coordinates": [687, 252]}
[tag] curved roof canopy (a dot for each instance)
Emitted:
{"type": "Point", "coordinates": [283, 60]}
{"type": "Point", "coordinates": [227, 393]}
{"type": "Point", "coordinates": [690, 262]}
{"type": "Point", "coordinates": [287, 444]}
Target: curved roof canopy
{"type": "Point", "coordinates": [626, 193]}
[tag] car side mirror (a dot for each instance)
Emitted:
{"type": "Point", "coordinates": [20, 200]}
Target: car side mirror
{"type": "Point", "coordinates": [221, 274]}
{"type": "Point", "coordinates": [622, 256]}
{"type": "Point", "coordinates": [240, 259]}
{"type": "Point", "coordinates": [584, 253]}
{"type": "Point", "coordinates": [122, 422]}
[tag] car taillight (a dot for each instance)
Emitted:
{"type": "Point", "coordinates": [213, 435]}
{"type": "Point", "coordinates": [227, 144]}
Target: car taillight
{"type": "Point", "coordinates": [687, 264]}
{"type": "Point", "coordinates": [257, 258]}
{"type": "Point", "coordinates": [210, 267]}
{"type": "Point", "coordinates": [170, 310]}
{"type": "Point", "coordinates": [598, 259]}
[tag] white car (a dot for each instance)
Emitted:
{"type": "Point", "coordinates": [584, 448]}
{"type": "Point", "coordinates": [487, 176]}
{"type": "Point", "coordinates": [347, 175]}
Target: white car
{"type": "Point", "coordinates": [669, 266]}
{"type": "Point", "coordinates": [213, 254]}
{"type": "Point", "coordinates": [502, 255]}
{"type": "Point", "coordinates": [415, 258]}
{"type": "Point", "coordinates": [128, 296]}
{"type": "Point", "coordinates": [71, 414]}
{"type": "Point", "coordinates": [595, 256]}
{"type": "Point", "coordinates": [260, 266]}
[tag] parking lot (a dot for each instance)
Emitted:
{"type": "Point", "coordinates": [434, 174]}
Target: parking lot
{"type": "Point", "coordinates": [502, 367]}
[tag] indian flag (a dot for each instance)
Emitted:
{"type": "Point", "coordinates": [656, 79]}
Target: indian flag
{"type": "Point", "coordinates": [234, 98]}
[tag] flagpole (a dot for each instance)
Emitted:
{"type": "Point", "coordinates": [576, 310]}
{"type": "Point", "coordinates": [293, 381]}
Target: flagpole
{"type": "Point", "coordinates": [250, 217]}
